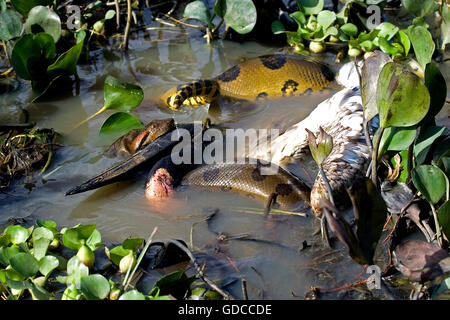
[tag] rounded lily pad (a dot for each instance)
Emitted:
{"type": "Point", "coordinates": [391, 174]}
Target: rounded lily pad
{"type": "Point", "coordinates": [120, 95]}
{"type": "Point", "coordinates": [240, 15]}
{"type": "Point", "coordinates": [18, 234]}
{"type": "Point", "coordinates": [132, 295]}
{"type": "Point", "coordinates": [197, 10]}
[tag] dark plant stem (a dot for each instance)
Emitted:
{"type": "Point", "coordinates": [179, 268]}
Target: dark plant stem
{"type": "Point", "coordinates": [409, 163]}
{"type": "Point", "coordinates": [375, 156]}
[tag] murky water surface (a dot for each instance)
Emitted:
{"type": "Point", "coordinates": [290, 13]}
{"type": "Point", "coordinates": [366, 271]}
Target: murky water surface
{"type": "Point", "coordinates": [157, 61]}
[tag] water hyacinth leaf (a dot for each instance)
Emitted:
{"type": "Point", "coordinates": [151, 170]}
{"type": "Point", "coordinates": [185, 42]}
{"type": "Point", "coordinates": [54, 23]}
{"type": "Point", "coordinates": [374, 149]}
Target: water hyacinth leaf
{"type": "Point", "coordinates": [240, 15]}
{"type": "Point", "coordinates": [10, 25]}
{"type": "Point", "coordinates": [435, 82]}
{"type": "Point", "coordinates": [50, 225]}
{"type": "Point", "coordinates": [119, 124]}
{"type": "Point", "coordinates": [441, 150]}
{"type": "Point", "coordinates": [397, 139]}
{"type": "Point", "coordinates": [46, 19]}
{"type": "Point", "coordinates": [26, 52]}
{"type": "Point", "coordinates": [197, 10]}
{"type": "Point", "coordinates": [349, 29]}
{"type": "Point", "coordinates": [6, 253]}
{"type": "Point", "coordinates": [67, 62]}
{"type": "Point", "coordinates": [387, 30]}
{"type": "Point", "coordinates": [175, 283]}
{"type": "Point", "coordinates": [25, 264]}
{"type": "Point", "coordinates": [402, 98]}
{"type": "Point", "coordinates": [132, 243]}
{"type": "Point", "coordinates": [370, 73]}
{"type": "Point", "coordinates": [39, 293]}
{"type": "Point", "coordinates": [24, 6]}
{"type": "Point", "coordinates": [132, 295]}
{"type": "Point", "coordinates": [404, 40]}
{"type": "Point", "coordinates": [310, 7]}
{"type": "Point", "coordinates": [95, 287]}
{"type": "Point", "coordinates": [18, 284]}
{"type": "Point", "coordinates": [75, 272]}
{"type": "Point", "coordinates": [71, 293]}
{"type": "Point", "coordinates": [425, 140]}
{"type": "Point", "coordinates": [117, 253]}
{"type": "Point", "coordinates": [47, 45]}
{"type": "Point", "coordinates": [47, 264]}
{"type": "Point", "coordinates": [120, 95]}
{"type": "Point", "coordinates": [423, 44]}
{"type": "Point", "coordinates": [386, 47]}
{"type": "Point", "coordinates": [74, 238]}
{"type": "Point", "coordinates": [420, 8]}
{"type": "Point", "coordinates": [430, 181]}
{"type": "Point", "coordinates": [444, 218]}
{"type": "Point", "coordinates": [299, 17]}
{"type": "Point", "coordinates": [277, 27]}
{"type": "Point", "coordinates": [18, 234]}
{"type": "Point", "coordinates": [446, 164]}
{"type": "Point", "coordinates": [326, 18]}
{"type": "Point", "coordinates": [95, 240]}
{"type": "Point", "coordinates": [41, 240]}
{"type": "Point", "coordinates": [5, 239]}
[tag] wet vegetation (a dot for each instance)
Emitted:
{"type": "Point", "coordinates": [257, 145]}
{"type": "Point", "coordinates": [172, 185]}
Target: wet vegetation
{"type": "Point", "coordinates": [406, 190]}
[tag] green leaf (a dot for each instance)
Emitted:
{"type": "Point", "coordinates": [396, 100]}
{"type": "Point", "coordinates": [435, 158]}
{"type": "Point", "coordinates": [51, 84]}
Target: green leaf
{"type": "Point", "coordinates": [425, 140]}
{"type": "Point", "coordinates": [132, 243]}
{"type": "Point", "coordinates": [24, 6]}
{"type": "Point", "coordinates": [387, 30]}
{"type": "Point", "coordinates": [6, 253]}
{"type": "Point", "coordinates": [175, 283]}
{"type": "Point", "coordinates": [46, 19]}
{"type": "Point", "coordinates": [50, 225]}
{"type": "Point", "coordinates": [110, 14]}
{"type": "Point", "coordinates": [75, 272]}
{"type": "Point", "coordinates": [95, 287]}
{"type": "Point", "coordinates": [444, 217]}
{"type": "Point", "coordinates": [420, 8]}
{"type": "Point", "coordinates": [119, 124]}
{"type": "Point", "coordinates": [71, 293]}
{"type": "Point", "coordinates": [47, 45]}
{"type": "Point", "coordinates": [310, 7]}
{"type": "Point", "coordinates": [47, 264]}
{"type": "Point", "coordinates": [349, 29]}
{"type": "Point", "coordinates": [117, 253]}
{"type": "Point", "coordinates": [197, 10]}
{"type": "Point", "coordinates": [18, 285]}
{"type": "Point", "coordinates": [430, 181]}
{"type": "Point", "coordinates": [423, 44]}
{"type": "Point", "coordinates": [404, 40]}
{"type": "Point", "coordinates": [370, 73]}
{"type": "Point", "coordinates": [240, 15]}
{"type": "Point", "coordinates": [5, 239]}
{"type": "Point", "coordinates": [26, 52]}
{"type": "Point", "coordinates": [120, 95]}
{"type": "Point", "coordinates": [95, 240]}
{"type": "Point", "coordinates": [402, 98]}
{"type": "Point", "coordinates": [435, 82]}
{"type": "Point", "coordinates": [41, 239]}
{"type": "Point", "coordinates": [25, 264]}
{"type": "Point", "coordinates": [326, 18]}
{"type": "Point", "coordinates": [10, 25]}
{"type": "Point", "coordinates": [39, 293]}
{"type": "Point", "coordinates": [75, 237]}
{"type": "Point", "coordinates": [386, 47]}
{"type": "Point", "coordinates": [397, 139]}
{"type": "Point", "coordinates": [67, 62]}
{"type": "Point", "coordinates": [299, 17]}
{"type": "Point", "coordinates": [18, 234]}
{"type": "Point", "coordinates": [277, 27]}
{"type": "Point", "coordinates": [132, 295]}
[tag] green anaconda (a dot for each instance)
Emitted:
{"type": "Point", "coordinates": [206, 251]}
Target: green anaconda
{"type": "Point", "coordinates": [269, 76]}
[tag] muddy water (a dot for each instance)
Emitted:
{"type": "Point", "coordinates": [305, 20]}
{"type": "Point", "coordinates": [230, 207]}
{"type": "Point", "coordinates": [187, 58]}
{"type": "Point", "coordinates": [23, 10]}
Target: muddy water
{"type": "Point", "coordinates": [157, 61]}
